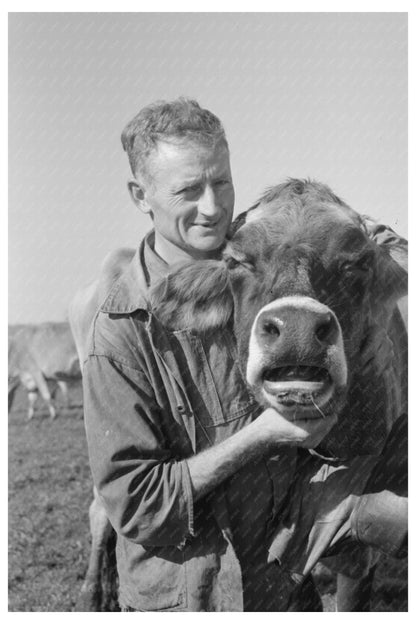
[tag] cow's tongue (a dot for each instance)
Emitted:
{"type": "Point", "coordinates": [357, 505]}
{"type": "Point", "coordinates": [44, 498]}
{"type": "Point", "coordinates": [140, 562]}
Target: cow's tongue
{"type": "Point", "coordinates": [293, 373]}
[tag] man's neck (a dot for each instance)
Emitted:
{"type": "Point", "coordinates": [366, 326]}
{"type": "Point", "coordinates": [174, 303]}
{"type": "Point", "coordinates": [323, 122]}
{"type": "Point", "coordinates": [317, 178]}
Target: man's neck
{"type": "Point", "coordinates": [172, 254]}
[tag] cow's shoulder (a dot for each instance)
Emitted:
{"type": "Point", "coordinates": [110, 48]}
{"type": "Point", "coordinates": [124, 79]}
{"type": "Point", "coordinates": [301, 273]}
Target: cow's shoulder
{"type": "Point", "coordinates": [86, 302]}
{"type": "Point", "coordinates": [111, 269]}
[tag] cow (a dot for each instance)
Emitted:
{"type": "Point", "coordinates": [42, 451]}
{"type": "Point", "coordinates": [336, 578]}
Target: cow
{"type": "Point", "coordinates": [304, 286]}
{"type": "Point", "coordinates": [85, 303]}
{"type": "Point", "coordinates": [99, 589]}
{"type": "Point", "coordinates": [40, 356]}
{"type": "Point", "coordinates": [302, 283]}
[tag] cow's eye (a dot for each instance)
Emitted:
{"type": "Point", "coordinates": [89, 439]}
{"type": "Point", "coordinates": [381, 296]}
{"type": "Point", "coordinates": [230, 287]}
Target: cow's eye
{"type": "Point", "coordinates": [356, 276]}
{"type": "Point", "coordinates": [359, 268]}
{"type": "Point", "coordinates": [347, 268]}
{"type": "Point", "coordinates": [231, 262]}
{"type": "Point", "coordinates": [238, 263]}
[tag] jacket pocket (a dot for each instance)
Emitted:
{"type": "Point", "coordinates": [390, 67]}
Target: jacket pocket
{"type": "Point", "coordinates": [153, 579]}
{"type": "Point", "coordinates": [222, 383]}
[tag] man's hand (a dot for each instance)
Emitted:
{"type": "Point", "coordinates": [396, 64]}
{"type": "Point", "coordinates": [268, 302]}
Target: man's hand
{"type": "Point", "coordinates": [276, 429]}
{"type": "Point", "coordinates": [264, 435]}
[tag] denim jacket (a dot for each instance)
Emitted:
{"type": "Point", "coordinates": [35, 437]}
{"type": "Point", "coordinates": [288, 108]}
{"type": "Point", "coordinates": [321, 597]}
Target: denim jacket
{"type": "Point", "coordinates": [152, 399]}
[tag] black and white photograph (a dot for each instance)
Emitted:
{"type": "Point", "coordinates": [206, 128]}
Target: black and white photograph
{"type": "Point", "coordinates": [207, 311]}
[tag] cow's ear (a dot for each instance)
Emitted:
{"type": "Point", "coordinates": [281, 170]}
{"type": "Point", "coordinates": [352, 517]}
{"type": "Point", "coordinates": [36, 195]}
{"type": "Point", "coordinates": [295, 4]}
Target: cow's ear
{"type": "Point", "coordinates": [194, 296]}
{"type": "Point", "coordinates": [391, 280]}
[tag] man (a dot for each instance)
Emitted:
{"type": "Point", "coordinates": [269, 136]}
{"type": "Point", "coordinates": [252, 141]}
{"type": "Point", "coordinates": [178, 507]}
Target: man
{"type": "Point", "coordinates": [189, 470]}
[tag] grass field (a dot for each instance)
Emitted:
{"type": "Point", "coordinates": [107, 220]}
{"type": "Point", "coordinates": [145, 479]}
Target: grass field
{"type": "Point", "coordinates": [49, 496]}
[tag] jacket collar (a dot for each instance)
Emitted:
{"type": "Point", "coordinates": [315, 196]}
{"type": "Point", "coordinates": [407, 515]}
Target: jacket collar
{"type": "Point", "coordinates": [130, 291]}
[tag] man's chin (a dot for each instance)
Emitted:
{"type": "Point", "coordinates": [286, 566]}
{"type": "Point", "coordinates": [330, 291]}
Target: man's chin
{"type": "Point", "coordinates": [207, 244]}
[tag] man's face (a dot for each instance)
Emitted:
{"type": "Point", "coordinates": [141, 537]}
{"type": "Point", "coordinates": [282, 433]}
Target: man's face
{"type": "Point", "coordinates": [190, 195]}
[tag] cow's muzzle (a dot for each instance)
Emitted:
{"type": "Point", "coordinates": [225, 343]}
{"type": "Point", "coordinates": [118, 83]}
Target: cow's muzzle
{"type": "Point", "coordinates": [296, 355]}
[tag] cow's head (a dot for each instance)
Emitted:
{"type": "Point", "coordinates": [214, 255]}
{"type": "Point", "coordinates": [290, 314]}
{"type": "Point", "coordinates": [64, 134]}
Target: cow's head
{"type": "Point", "coordinates": [301, 281]}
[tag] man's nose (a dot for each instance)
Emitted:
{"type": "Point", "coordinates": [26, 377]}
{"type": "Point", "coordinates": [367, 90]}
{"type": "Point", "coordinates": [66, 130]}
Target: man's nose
{"type": "Point", "coordinates": [208, 203]}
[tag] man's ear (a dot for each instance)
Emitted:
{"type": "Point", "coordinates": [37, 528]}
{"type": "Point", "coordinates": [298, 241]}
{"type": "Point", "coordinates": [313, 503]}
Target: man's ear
{"type": "Point", "coordinates": [137, 193]}
{"type": "Point", "coordinates": [194, 296]}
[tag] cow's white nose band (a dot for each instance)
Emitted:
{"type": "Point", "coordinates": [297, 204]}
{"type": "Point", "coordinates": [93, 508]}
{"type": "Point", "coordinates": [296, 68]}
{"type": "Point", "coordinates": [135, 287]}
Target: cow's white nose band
{"type": "Point", "coordinates": [302, 303]}
{"type": "Point", "coordinates": [256, 354]}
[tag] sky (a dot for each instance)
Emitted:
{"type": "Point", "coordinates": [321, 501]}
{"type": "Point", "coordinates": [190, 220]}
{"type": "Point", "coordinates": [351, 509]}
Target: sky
{"type": "Point", "coordinates": [317, 95]}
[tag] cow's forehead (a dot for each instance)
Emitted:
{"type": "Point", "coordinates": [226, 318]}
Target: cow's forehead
{"type": "Point", "coordinates": [324, 211]}
{"type": "Point", "coordinates": [318, 223]}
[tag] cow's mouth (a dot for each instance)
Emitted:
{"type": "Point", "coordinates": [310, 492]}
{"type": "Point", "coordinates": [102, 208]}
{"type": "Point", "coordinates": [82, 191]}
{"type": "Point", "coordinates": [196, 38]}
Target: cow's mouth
{"type": "Point", "coordinates": [311, 374]}
{"type": "Point", "coordinates": [297, 385]}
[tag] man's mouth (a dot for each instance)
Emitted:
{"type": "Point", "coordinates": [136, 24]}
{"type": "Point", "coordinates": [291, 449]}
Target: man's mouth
{"type": "Point", "coordinates": [208, 225]}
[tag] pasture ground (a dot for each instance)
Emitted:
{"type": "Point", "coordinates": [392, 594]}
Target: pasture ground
{"type": "Point", "coordinates": [49, 495]}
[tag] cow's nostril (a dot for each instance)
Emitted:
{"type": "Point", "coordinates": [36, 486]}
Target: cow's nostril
{"type": "Point", "coordinates": [271, 328]}
{"type": "Point", "coordinates": [323, 331]}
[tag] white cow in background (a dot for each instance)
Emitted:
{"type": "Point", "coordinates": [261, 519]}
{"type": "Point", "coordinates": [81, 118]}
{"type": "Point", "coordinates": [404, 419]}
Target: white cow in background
{"type": "Point", "coordinates": [40, 356]}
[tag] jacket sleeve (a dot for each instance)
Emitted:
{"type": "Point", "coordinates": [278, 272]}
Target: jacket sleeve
{"type": "Point", "coordinates": [146, 490]}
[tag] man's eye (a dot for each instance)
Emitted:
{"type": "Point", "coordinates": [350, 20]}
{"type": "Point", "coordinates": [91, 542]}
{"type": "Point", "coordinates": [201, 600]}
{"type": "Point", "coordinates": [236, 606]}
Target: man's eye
{"type": "Point", "coordinates": [190, 189]}
{"type": "Point", "coordinates": [221, 182]}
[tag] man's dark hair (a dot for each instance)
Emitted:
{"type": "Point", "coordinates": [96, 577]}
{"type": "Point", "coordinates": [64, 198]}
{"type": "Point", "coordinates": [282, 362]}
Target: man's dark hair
{"type": "Point", "coordinates": [179, 119]}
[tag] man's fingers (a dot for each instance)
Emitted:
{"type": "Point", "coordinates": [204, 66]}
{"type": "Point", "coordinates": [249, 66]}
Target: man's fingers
{"type": "Point", "coordinates": [315, 423]}
{"type": "Point", "coordinates": [316, 430]}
